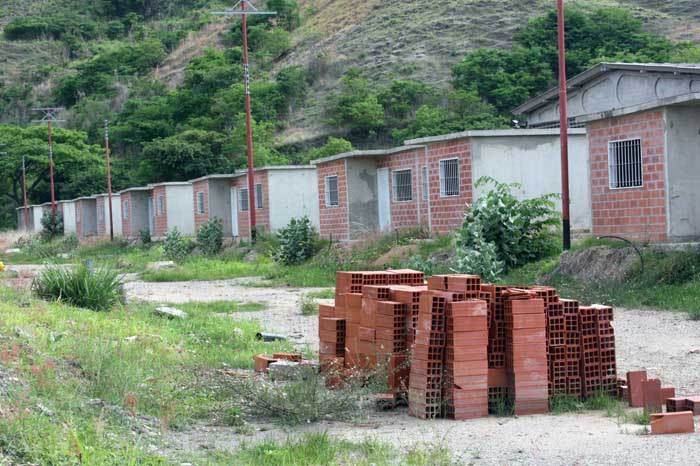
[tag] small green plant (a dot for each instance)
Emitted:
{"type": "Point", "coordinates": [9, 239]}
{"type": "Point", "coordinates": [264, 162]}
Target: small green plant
{"type": "Point", "coordinates": [145, 236]}
{"type": "Point", "coordinates": [210, 236]}
{"type": "Point", "coordinates": [565, 404]}
{"type": "Point", "coordinates": [478, 258]}
{"type": "Point", "coordinates": [308, 306]}
{"type": "Point", "coordinates": [417, 262]}
{"type": "Point", "coordinates": [296, 242]}
{"type": "Point", "coordinates": [694, 314]}
{"type": "Point", "coordinates": [176, 247]}
{"type": "Point", "coordinates": [99, 289]}
{"type": "Point", "coordinates": [50, 227]}
{"type": "Point", "coordinates": [502, 407]}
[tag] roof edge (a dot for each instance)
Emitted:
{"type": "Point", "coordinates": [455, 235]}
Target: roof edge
{"type": "Point", "coordinates": [366, 153]}
{"type": "Point", "coordinates": [494, 133]}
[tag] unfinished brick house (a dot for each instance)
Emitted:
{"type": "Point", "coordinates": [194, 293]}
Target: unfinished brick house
{"type": "Point", "coordinates": [136, 205]}
{"type": "Point", "coordinates": [102, 206]}
{"type": "Point", "coordinates": [172, 208]}
{"type": "Point", "coordinates": [85, 217]}
{"type": "Point", "coordinates": [643, 123]}
{"type": "Point", "coordinates": [281, 194]}
{"type": "Point", "coordinates": [212, 199]}
{"type": "Point", "coordinates": [428, 182]}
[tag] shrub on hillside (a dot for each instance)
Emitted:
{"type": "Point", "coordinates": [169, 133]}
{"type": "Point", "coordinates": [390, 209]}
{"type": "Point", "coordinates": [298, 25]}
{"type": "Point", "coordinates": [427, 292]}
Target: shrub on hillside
{"type": "Point", "coordinates": [176, 247]}
{"type": "Point", "coordinates": [296, 242]}
{"type": "Point", "coordinates": [96, 289]}
{"type": "Point", "coordinates": [50, 229]}
{"type": "Point", "coordinates": [502, 228]}
{"type": "Point", "coordinates": [210, 236]}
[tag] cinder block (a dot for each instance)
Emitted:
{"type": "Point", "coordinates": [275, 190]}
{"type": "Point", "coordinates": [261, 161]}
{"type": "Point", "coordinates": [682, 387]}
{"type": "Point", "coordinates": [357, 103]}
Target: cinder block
{"type": "Point", "coordinates": [653, 402]}
{"type": "Point", "coordinates": [262, 363]}
{"type": "Point", "coordinates": [673, 423]}
{"type": "Point", "coordinates": [668, 392]}
{"type": "Point", "coordinates": [634, 384]}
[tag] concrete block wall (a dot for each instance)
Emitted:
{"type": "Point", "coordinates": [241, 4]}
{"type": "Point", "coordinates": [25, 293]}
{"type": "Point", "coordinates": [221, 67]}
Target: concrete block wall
{"type": "Point", "coordinates": [333, 219]}
{"type": "Point", "coordinates": [126, 198]}
{"type": "Point", "coordinates": [413, 213]}
{"type": "Point", "coordinates": [160, 220]}
{"type": "Point", "coordinates": [262, 216]}
{"type": "Point", "coordinates": [201, 186]}
{"type": "Point", "coordinates": [635, 213]}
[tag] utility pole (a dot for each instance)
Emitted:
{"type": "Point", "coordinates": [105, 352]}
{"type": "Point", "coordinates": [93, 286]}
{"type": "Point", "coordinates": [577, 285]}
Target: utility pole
{"type": "Point", "coordinates": [24, 193]}
{"type": "Point", "coordinates": [243, 12]}
{"type": "Point", "coordinates": [48, 118]}
{"type": "Point", "coordinates": [109, 182]}
{"type": "Point", "coordinates": [563, 128]}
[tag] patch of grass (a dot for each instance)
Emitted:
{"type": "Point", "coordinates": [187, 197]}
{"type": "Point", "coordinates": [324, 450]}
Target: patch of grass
{"type": "Point", "coordinates": [565, 404]}
{"type": "Point", "coordinates": [99, 289]}
{"type": "Point", "coordinates": [308, 306]}
{"type": "Point", "coordinates": [202, 268]}
{"type": "Point", "coordinates": [323, 294]}
{"type": "Point", "coordinates": [221, 307]}
{"type": "Point", "coordinates": [503, 408]}
{"type": "Point", "coordinates": [643, 418]}
{"type": "Point", "coordinates": [304, 276]}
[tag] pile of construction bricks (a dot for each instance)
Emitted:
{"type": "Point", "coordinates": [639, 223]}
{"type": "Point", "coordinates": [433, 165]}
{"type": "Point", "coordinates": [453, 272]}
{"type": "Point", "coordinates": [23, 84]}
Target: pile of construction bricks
{"type": "Point", "coordinates": [454, 347]}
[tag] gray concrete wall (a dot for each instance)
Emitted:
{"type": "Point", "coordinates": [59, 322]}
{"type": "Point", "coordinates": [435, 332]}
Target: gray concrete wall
{"type": "Point", "coordinates": [139, 211]}
{"type": "Point", "coordinates": [293, 194]}
{"type": "Point", "coordinates": [535, 163]}
{"type": "Point", "coordinates": [116, 215]}
{"type": "Point", "coordinates": [683, 172]}
{"type": "Point", "coordinates": [37, 213]}
{"type": "Point", "coordinates": [220, 202]}
{"type": "Point", "coordinates": [69, 218]}
{"type": "Point", "coordinates": [88, 216]}
{"type": "Point", "coordinates": [362, 197]}
{"type": "Point", "coordinates": [180, 208]}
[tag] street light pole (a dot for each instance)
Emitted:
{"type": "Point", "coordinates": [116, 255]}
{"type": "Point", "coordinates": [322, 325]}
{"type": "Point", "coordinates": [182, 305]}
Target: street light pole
{"type": "Point", "coordinates": [563, 128]}
{"type": "Point", "coordinates": [243, 13]}
{"type": "Point", "coordinates": [49, 117]}
{"type": "Point", "coordinates": [24, 193]}
{"type": "Point", "coordinates": [109, 182]}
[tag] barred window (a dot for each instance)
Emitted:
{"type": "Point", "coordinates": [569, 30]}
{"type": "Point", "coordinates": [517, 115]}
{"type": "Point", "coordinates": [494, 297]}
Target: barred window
{"type": "Point", "coordinates": [161, 204]}
{"type": "Point", "coordinates": [449, 177]}
{"type": "Point", "coordinates": [200, 202]}
{"type": "Point", "coordinates": [625, 163]}
{"type": "Point", "coordinates": [258, 196]}
{"type": "Point", "coordinates": [332, 198]}
{"type": "Point", "coordinates": [101, 213]}
{"type": "Point", "coordinates": [243, 199]}
{"type": "Point", "coordinates": [403, 186]}
{"type": "Point", "coordinates": [125, 210]}
{"type": "Point", "coordinates": [425, 184]}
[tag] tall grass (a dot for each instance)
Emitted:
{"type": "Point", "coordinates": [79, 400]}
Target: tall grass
{"type": "Point", "coordinates": [99, 289]}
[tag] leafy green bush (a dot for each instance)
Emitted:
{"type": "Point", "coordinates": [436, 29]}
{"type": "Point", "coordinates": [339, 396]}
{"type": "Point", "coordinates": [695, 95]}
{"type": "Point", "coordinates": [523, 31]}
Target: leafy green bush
{"type": "Point", "coordinates": [478, 258]}
{"type": "Point", "coordinates": [98, 289]}
{"type": "Point", "coordinates": [210, 236]}
{"type": "Point", "coordinates": [50, 229]}
{"type": "Point", "coordinates": [500, 228]}
{"type": "Point", "coordinates": [296, 242]}
{"type": "Point", "coordinates": [676, 268]}
{"type": "Point", "coordinates": [176, 247]}
{"type": "Point", "coordinates": [145, 236]}
{"type": "Point", "coordinates": [308, 306]}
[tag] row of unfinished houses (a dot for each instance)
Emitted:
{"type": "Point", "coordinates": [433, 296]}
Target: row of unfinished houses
{"type": "Point", "coordinates": [634, 165]}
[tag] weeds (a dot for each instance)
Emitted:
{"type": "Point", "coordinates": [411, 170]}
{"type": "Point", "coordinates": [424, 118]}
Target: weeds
{"type": "Point", "coordinates": [99, 289]}
{"type": "Point", "coordinates": [308, 306]}
{"type": "Point", "coordinates": [323, 294]}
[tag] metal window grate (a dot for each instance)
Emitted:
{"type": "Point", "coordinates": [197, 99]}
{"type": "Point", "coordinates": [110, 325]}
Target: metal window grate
{"type": "Point", "coordinates": [403, 186]}
{"type": "Point", "coordinates": [200, 202]}
{"type": "Point", "coordinates": [625, 163]}
{"type": "Point", "coordinates": [424, 187]}
{"type": "Point", "coordinates": [332, 198]}
{"type": "Point", "coordinates": [449, 177]}
{"type": "Point", "coordinates": [125, 210]}
{"type": "Point", "coordinates": [243, 195]}
{"type": "Point", "coordinates": [258, 196]}
{"type": "Point", "coordinates": [161, 204]}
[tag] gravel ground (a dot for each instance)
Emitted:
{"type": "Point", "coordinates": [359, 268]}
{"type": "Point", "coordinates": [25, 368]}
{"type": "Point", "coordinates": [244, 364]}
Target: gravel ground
{"type": "Point", "coordinates": [667, 344]}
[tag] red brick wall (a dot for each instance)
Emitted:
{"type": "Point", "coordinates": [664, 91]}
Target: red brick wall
{"type": "Point", "coordinates": [405, 214]}
{"type": "Point", "coordinates": [200, 187]}
{"type": "Point", "coordinates": [102, 213]}
{"type": "Point", "coordinates": [447, 213]}
{"type": "Point", "coordinates": [333, 220]}
{"type": "Point", "coordinates": [160, 219]}
{"type": "Point", "coordinates": [635, 213]}
{"type": "Point", "coordinates": [79, 219]}
{"type": "Point", "coordinates": [262, 216]}
{"type": "Point", "coordinates": [126, 222]}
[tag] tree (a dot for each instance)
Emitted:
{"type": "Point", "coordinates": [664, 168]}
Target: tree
{"type": "Point", "coordinates": [356, 106]}
{"type": "Point", "coordinates": [333, 146]}
{"type": "Point", "coordinates": [263, 144]}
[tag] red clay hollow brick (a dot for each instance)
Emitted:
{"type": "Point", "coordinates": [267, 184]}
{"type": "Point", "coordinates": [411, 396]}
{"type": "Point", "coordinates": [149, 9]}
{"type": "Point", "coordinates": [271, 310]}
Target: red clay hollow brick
{"type": "Point", "coordinates": [262, 363]}
{"type": "Point", "coordinates": [652, 395]}
{"type": "Point", "coordinates": [634, 384]}
{"type": "Point", "coordinates": [668, 392]}
{"type": "Point", "coordinates": [672, 423]}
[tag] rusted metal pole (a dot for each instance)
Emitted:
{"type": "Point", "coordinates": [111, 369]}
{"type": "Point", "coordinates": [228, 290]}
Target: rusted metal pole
{"type": "Point", "coordinates": [109, 182]}
{"type": "Point", "coordinates": [53, 193]}
{"type": "Point", "coordinates": [24, 193]}
{"type": "Point", "coordinates": [249, 129]}
{"type": "Point", "coordinates": [563, 129]}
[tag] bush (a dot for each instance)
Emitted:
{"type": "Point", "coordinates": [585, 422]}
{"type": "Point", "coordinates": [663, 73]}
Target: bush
{"type": "Point", "coordinates": [479, 258]}
{"type": "Point", "coordinates": [145, 236]}
{"type": "Point", "coordinates": [176, 247]}
{"type": "Point", "coordinates": [49, 228]}
{"type": "Point", "coordinates": [210, 236]}
{"type": "Point", "coordinates": [308, 306]}
{"type": "Point", "coordinates": [505, 229]}
{"type": "Point", "coordinates": [296, 242]}
{"type": "Point", "coordinates": [98, 289]}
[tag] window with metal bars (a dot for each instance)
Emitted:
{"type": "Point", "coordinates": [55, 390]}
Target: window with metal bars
{"type": "Point", "coordinates": [101, 213]}
{"type": "Point", "coordinates": [200, 202]}
{"type": "Point", "coordinates": [403, 185]}
{"type": "Point", "coordinates": [424, 180]}
{"type": "Point", "coordinates": [125, 210]}
{"type": "Point", "coordinates": [161, 204]}
{"type": "Point", "coordinates": [258, 196]}
{"type": "Point", "coordinates": [449, 177]}
{"type": "Point", "coordinates": [332, 198]}
{"type": "Point", "coordinates": [625, 163]}
{"type": "Point", "coordinates": [243, 199]}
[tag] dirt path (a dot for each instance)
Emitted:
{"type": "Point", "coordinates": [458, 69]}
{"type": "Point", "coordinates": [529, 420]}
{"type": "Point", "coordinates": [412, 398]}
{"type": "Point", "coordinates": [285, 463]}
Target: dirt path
{"type": "Point", "coordinates": [667, 344]}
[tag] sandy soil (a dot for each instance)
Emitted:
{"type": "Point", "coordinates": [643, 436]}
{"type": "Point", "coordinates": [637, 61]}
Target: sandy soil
{"type": "Point", "coordinates": [667, 344]}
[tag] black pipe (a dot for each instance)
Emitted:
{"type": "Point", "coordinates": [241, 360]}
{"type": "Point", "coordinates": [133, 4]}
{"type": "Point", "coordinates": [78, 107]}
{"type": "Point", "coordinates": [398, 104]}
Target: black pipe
{"type": "Point", "coordinates": [634, 246]}
{"type": "Point", "coordinates": [269, 337]}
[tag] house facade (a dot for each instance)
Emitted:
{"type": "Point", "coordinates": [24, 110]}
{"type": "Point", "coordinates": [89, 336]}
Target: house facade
{"type": "Point", "coordinates": [86, 217]}
{"type": "Point", "coordinates": [136, 211]}
{"type": "Point", "coordinates": [69, 221]}
{"type": "Point", "coordinates": [102, 206]}
{"type": "Point", "coordinates": [212, 196]}
{"type": "Point", "coordinates": [172, 208]}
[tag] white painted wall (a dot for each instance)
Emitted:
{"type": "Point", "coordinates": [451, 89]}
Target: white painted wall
{"type": "Point", "coordinates": [180, 208]}
{"type": "Point", "coordinates": [535, 163]}
{"type": "Point", "coordinates": [293, 194]}
{"type": "Point", "coordinates": [69, 218]}
{"type": "Point", "coordinates": [38, 213]}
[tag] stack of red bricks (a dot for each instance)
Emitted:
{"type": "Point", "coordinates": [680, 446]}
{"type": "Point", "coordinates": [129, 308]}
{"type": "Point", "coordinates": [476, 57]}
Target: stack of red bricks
{"type": "Point", "coordinates": [457, 347]}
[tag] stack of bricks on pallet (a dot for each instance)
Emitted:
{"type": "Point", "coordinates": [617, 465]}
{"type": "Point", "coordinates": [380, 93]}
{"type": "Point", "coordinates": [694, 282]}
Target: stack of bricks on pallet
{"type": "Point", "coordinates": [459, 348]}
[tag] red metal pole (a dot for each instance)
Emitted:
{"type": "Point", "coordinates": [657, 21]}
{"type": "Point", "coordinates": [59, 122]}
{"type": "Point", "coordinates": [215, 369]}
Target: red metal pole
{"type": "Point", "coordinates": [249, 129]}
{"type": "Point", "coordinates": [564, 129]}
{"type": "Point", "coordinates": [109, 182]}
{"type": "Point", "coordinates": [53, 195]}
{"type": "Point", "coordinates": [24, 193]}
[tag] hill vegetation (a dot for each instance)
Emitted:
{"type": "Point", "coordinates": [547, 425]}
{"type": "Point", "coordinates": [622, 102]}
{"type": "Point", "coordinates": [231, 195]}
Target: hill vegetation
{"type": "Point", "coordinates": [312, 67]}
